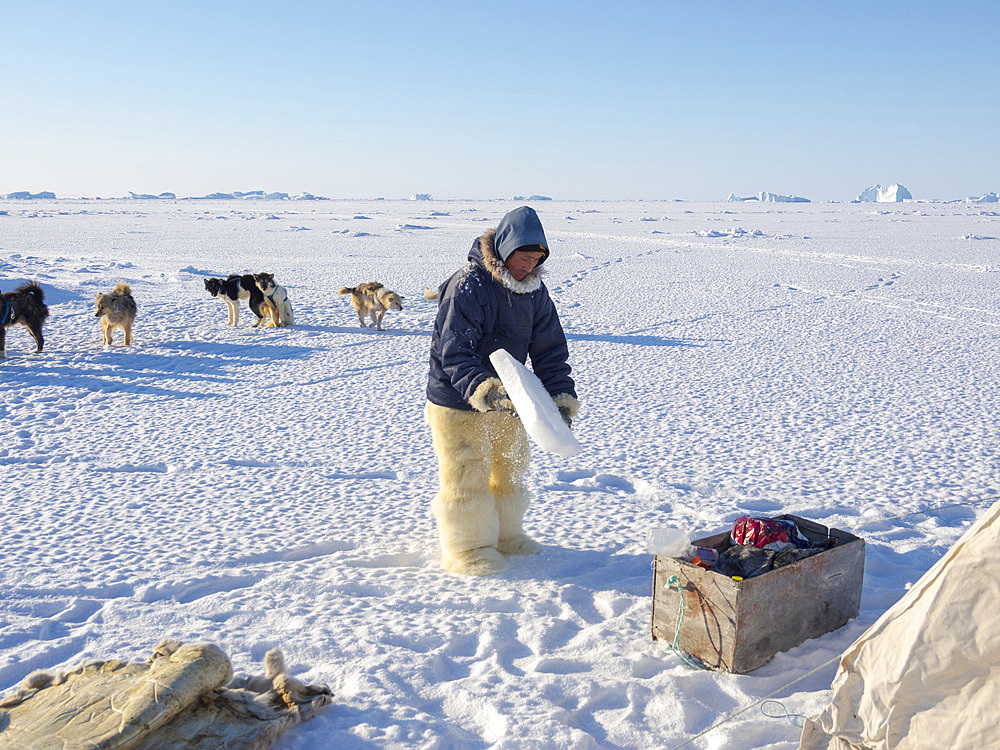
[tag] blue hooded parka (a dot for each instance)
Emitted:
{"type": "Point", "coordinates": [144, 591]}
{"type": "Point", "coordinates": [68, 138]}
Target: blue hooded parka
{"type": "Point", "coordinates": [483, 308]}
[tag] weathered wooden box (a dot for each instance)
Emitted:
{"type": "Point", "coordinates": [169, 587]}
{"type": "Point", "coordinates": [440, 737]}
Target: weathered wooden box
{"type": "Point", "coordinates": [738, 626]}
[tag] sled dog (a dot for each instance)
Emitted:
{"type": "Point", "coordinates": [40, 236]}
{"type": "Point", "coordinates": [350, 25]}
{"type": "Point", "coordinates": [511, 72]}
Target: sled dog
{"type": "Point", "coordinates": [117, 310]}
{"type": "Point", "coordinates": [276, 301]}
{"type": "Point", "coordinates": [232, 289]}
{"type": "Point", "coordinates": [430, 294]}
{"type": "Point", "coordinates": [25, 306]}
{"type": "Point", "coordinates": [373, 300]}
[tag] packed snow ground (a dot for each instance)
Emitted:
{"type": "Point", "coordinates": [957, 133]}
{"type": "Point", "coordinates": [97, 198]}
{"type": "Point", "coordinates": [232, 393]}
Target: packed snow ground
{"type": "Point", "coordinates": [261, 488]}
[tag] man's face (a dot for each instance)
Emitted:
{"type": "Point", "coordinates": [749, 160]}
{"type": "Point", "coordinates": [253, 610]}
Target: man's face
{"type": "Point", "coordinates": [522, 262]}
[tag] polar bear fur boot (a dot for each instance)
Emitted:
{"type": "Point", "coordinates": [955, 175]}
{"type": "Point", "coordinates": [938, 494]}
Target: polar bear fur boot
{"type": "Point", "coordinates": [482, 499]}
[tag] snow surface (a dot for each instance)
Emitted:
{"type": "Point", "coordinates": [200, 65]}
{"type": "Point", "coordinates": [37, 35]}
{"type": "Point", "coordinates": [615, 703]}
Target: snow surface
{"type": "Point", "coordinates": [262, 488]}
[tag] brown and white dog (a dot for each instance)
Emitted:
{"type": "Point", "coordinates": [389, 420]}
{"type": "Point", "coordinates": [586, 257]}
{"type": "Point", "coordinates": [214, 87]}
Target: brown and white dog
{"type": "Point", "coordinates": [117, 310]}
{"type": "Point", "coordinates": [276, 301]}
{"type": "Point", "coordinates": [25, 306]}
{"type": "Point", "coordinates": [373, 300]}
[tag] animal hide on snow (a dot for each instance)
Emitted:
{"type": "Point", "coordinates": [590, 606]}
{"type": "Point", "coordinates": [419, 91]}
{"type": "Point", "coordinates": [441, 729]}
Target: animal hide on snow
{"type": "Point", "coordinates": [177, 700]}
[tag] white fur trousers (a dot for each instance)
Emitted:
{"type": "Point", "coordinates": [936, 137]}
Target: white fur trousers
{"type": "Point", "coordinates": [482, 459]}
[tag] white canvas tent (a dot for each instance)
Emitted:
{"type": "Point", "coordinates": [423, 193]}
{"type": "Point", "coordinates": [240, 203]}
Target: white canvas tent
{"type": "Point", "coordinates": [927, 673]}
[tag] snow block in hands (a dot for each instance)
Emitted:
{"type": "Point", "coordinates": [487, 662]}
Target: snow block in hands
{"type": "Point", "coordinates": [538, 412]}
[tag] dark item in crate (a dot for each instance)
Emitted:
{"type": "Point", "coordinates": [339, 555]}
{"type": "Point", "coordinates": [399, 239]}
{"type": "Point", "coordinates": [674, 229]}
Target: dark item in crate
{"type": "Point", "coordinates": [747, 561]}
{"type": "Point", "coordinates": [744, 561]}
{"type": "Point", "coordinates": [760, 532]}
{"type": "Point", "coordinates": [791, 555]}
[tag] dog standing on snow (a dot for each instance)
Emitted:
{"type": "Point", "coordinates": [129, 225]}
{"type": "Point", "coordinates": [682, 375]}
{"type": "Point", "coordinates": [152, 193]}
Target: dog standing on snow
{"type": "Point", "coordinates": [276, 301]}
{"type": "Point", "coordinates": [25, 306]}
{"type": "Point", "coordinates": [117, 310]}
{"type": "Point", "coordinates": [232, 289]}
{"type": "Point", "coordinates": [373, 300]}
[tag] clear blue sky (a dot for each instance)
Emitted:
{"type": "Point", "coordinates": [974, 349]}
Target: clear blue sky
{"type": "Point", "coordinates": [574, 100]}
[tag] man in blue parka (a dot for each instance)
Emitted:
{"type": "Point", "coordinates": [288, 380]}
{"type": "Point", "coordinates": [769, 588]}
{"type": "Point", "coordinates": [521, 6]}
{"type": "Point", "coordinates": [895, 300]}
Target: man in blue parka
{"type": "Point", "coordinates": [497, 301]}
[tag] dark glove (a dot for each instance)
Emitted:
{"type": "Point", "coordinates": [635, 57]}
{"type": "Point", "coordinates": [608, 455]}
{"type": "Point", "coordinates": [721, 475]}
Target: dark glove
{"type": "Point", "coordinates": [564, 413]}
{"type": "Point", "coordinates": [498, 400]}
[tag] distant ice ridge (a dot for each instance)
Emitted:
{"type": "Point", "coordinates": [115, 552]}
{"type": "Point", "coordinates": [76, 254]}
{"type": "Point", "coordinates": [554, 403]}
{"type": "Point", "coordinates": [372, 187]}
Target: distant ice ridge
{"type": "Point", "coordinates": [895, 193]}
{"type": "Point", "coordinates": [256, 195]}
{"type": "Point", "coordinates": [732, 232]}
{"type": "Point", "coordinates": [147, 196]}
{"type": "Point", "coordinates": [765, 197]}
{"type": "Point", "coordinates": [988, 198]}
{"type": "Point", "coordinates": [237, 195]}
{"type": "Point", "coordinates": [24, 194]}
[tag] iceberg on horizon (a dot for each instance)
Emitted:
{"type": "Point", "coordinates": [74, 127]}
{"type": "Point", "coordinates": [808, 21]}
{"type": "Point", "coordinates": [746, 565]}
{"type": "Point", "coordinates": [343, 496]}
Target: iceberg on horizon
{"type": "Point", "coordinates": [765, 197]}
{"type": "Point", "coordinates": [895, 193]}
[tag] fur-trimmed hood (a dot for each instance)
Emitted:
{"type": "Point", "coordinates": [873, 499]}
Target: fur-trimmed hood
{"type": "Point", "coordinates": [484, 253]}
{"type": "Point", "coordinates": [520, 228]}
{"type": "Point", "coordinates": [482, 308]}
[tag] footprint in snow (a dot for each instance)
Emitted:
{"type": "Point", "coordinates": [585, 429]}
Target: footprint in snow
{"type": "Point", "coordinates": [190, 589]}
{"type": "Point", "coordinates": [582, 480]}
{"type": "Point", "coordinates": [554, 665]}
{"type": "Point", "coordinates": [388, 560]}
{"type": "Point", "coordinates": [157, 468]}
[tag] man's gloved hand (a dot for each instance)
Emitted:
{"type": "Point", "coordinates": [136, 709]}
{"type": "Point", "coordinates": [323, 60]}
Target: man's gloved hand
{"type": "Point", "coordinates": [564, 413]}
{"type": "Point", "coordinates": [498, 400]}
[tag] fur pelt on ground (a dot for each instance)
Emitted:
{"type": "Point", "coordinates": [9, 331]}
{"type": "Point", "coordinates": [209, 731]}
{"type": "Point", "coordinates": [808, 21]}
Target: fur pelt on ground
{"type": "Point", "coordinates": [117, 309]}
{"type": "Point", "coordinates": [482, 499]}
{"type": "Point", "coordinates": [25, 306]}
{"type": "Point", "coordinates": [183, 697]}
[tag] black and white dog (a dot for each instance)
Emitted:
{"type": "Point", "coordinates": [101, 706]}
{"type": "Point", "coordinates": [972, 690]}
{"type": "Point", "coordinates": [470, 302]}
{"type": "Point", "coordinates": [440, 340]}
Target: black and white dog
{"type": "Point", "coordinates": [24, 306]}
{"type": "Point", "coordinates": [232, 289]}
{"type": "Point", "coordinates": [276, 301]}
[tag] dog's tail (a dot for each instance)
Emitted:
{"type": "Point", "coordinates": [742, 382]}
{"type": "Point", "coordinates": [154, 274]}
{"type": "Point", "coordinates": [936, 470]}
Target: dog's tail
{"type": "Point", "coordinates": [347, 290]}
{"type": "Point", "coordinates": [123, 289]}
{"type": "Point", "coordinates": [430, 294]}
{"type": "Point", "coordinates": [34, 289]}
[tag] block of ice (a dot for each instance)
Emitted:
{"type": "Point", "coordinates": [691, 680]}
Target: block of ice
{"type": "Point", "coordinates": [535, 407]}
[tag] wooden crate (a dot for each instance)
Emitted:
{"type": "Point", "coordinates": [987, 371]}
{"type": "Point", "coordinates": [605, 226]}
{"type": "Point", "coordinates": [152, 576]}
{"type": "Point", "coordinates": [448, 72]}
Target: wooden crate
{"type": "Point", "coordinates": [738, 626]}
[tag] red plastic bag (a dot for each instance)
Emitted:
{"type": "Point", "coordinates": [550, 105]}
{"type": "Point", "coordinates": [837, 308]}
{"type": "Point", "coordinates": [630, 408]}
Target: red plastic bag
{"type": "Point", "coordinates": [758, 532]}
